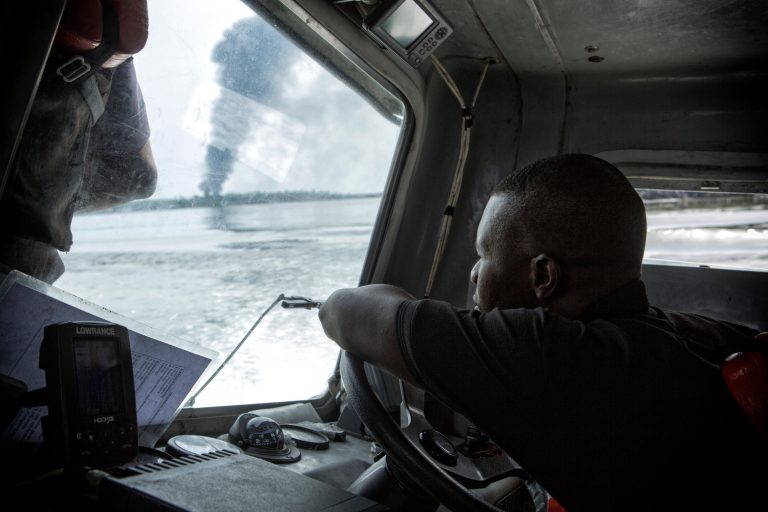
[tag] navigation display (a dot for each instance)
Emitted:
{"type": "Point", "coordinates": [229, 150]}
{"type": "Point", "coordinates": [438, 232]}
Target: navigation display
{"type": "Point", "coordinates": [97, 366]}
{"type": "Point", "coordinates": [412, 29]}
{"type": "Point", "coordinates": [407, 23]}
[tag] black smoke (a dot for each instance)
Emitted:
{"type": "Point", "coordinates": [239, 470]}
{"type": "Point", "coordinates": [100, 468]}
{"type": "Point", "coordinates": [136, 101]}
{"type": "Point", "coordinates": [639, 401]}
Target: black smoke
{"type": "Point", "coordinates": [253, 60]}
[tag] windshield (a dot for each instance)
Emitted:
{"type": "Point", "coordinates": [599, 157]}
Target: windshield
{"type": "Point", "coordinates": [270, 172]}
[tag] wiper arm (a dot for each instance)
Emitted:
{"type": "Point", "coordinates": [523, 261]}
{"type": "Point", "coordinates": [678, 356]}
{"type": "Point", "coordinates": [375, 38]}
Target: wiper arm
{"type": "Point", "coordinates": [288, 303]}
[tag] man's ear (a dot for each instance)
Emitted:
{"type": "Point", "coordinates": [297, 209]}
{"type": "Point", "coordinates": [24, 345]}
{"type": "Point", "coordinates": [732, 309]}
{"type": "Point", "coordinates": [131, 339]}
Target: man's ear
{"type": "Point", "coordinates": [545, 276]}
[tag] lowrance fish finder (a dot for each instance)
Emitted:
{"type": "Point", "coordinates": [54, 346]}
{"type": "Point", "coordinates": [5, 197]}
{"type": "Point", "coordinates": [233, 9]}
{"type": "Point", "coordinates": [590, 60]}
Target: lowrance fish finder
{"type": "Point", "coordinates": [411, 28]}
{"type": "Point", "coordinates": [91, 398]}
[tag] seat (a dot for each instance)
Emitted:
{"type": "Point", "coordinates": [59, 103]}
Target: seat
{"type": "Point", "coordinates": [746, 375]}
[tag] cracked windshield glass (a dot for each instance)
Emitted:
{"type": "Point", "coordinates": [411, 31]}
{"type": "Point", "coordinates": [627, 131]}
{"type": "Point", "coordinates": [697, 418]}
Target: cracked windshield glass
{"type": "Point", "coordinates": [270, 171]}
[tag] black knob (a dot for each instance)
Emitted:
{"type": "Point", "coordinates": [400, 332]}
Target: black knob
{"type": "Point", "coordinates": [475, 439]}
{"type": "Point", "coordinates": [439, 447]}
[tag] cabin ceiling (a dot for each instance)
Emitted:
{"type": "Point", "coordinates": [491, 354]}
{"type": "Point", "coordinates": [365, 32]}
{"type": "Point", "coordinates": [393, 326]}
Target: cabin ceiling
{"type": "Point", "coordinates": [622, 37]}
{"type": "Point", "coordinates": [674, 87]}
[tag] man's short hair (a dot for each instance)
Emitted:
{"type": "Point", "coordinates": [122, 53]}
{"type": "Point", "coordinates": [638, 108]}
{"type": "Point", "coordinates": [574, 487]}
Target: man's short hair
{"type": "Point", "coordinates": [579, 209]}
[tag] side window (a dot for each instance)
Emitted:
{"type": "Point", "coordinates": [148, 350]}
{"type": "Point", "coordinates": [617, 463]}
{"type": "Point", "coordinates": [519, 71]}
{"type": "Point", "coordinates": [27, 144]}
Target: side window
{"type": "Point", "coordinates": [270, 174]}
{"type": "Point", "coordinates": [715, 229]}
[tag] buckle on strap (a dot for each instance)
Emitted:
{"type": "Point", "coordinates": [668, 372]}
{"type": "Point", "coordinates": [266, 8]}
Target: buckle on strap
{"type": "Point", "coordinates": [74, 69]}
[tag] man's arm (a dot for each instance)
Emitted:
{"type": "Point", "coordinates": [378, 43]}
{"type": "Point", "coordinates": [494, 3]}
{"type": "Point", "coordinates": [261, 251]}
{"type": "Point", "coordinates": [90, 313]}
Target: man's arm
{"type": "Point", "coordinates": [363, 321]}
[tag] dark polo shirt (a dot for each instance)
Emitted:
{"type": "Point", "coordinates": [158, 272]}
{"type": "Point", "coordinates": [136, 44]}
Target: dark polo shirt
{"type": "Point", "coordinates": [622, 409]}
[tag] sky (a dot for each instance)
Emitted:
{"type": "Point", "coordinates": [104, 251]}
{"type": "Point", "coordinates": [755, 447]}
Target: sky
{"type": "Point", "coordinates": [311, 132]}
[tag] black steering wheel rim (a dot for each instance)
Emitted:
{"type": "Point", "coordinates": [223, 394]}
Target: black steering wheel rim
{"type": "Point", "coordinates": [418, 466]}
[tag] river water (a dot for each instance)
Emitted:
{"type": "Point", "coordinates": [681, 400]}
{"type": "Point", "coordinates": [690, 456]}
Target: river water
{"type": "Point", "coordinates": [205, 275]}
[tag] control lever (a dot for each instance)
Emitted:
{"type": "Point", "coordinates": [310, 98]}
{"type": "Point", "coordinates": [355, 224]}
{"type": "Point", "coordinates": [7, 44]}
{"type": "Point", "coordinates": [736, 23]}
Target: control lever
{"type": "Point", "coordinates": [478, 444]}
{"type": "Point", "coordinates": [300, 302]}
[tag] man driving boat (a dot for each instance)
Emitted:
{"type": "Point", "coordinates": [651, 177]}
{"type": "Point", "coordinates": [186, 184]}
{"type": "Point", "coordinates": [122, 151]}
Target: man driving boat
{"type": "Point", "coordinates": [607, 402]}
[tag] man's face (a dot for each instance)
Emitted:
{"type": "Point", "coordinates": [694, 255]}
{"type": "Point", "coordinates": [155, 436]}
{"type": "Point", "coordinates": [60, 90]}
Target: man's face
{"type": "Point", "coordinates": [502, 270]}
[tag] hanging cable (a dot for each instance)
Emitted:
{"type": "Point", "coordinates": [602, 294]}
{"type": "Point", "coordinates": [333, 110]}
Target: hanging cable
{"type": "Point", "coordinates": [448, 81]}
{"type": "Point", "coordinates": [458, 174]}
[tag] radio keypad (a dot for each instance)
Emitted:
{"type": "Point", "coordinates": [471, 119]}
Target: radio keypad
{"type": "Point", "coordinates": [428, 44]}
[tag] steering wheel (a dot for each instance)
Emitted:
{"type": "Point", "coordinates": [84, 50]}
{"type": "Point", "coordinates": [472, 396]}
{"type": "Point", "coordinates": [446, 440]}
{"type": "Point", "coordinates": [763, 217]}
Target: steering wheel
{"type": "Point", "coordinates": [416, 464]}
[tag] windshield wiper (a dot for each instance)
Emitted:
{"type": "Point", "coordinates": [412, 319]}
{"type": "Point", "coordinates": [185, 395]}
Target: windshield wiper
{"type": "Point", "coordinates": [292, 302]}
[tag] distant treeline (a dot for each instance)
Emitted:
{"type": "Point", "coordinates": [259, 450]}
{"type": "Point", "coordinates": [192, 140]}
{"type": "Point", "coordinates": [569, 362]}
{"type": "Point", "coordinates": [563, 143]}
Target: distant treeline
{"type": "Point", "coordinates": [237, 199]}
{"type": "Point", "coordinates": [654, 199]}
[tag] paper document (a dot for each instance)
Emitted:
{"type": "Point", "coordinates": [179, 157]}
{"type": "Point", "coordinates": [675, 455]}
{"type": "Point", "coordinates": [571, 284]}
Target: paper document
{"type": "Point", "coordinates": [165, 372]}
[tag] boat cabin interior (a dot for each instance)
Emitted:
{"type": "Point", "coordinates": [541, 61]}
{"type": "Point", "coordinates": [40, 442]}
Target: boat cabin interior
{"type": "Point", "coordinates": [418, 108]}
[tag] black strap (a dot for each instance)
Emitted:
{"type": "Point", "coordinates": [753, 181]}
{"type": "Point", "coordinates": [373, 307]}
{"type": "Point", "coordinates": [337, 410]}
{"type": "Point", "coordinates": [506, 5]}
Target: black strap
{"type": "Point", "coordinates": [80, 67]}
{"type": "Point", "coordinates": [89, 90]}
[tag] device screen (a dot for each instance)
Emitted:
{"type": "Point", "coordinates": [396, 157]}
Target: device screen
{"type": "Point", "coordinates": [407, 23]}
{"type": "Point", "coordinates": [97, 366]}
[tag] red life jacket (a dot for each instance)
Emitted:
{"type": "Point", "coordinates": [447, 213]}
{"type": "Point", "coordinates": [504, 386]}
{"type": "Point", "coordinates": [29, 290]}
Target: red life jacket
{"type": "Point", "coordinates": [746, 375]}
{"type": "Point", "coordinates": [81, 28]}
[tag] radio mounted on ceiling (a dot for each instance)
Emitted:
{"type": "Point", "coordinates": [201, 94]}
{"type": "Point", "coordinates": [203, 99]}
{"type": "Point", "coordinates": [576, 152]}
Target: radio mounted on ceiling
{"type": "Point", "coordinates": [413, 29]}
